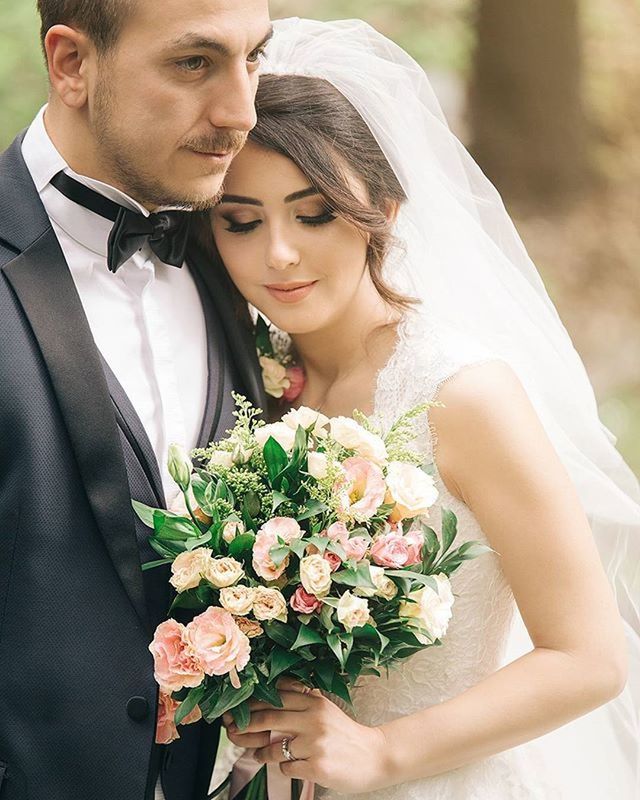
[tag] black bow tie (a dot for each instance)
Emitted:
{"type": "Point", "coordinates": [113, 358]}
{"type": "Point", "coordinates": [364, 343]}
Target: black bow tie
{"type": "Point", "coordinates": [166, 231]}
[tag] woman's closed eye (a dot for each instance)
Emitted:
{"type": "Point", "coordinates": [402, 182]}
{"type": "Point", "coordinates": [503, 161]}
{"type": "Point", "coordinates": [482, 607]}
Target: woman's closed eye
{"type": "Point", "coordinates": [235, 226]}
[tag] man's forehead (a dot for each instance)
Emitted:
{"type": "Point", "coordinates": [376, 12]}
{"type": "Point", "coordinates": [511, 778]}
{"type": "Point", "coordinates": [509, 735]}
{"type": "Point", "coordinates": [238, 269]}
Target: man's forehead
{"type": "Point", "coordinates": [232, 24]}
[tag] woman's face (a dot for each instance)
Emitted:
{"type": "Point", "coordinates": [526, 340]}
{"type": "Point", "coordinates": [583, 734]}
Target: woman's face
{"type": "Point", "coordinates": [291, 258]}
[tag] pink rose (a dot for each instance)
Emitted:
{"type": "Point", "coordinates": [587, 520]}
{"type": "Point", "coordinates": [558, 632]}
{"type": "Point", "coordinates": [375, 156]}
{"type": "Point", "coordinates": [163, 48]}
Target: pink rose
{"type": "Point", "coordinates": [391, 550]}
{"type": "Point", "coordinates": [218, 642]}
{"type": "Point", "coordinates": [283, 528]}
{"type": "Point", "coordinates": [262, 561]}
{"type": "Point", "coordinates": [175, 664]}
{"type": "Point", "coordinates": [362, 490]}
{"type": "Point", "coordinates": [335, 562]}
{"type": "Point", "coordinates": [338, 533]}
{"type": "Point", "coordinates": [415, 541]}
{"type": "Point", "coordinates": [303, 602]}
{"type": "Point", "coordinates": [296, 384]}
{"type": "Point", "coordinates": [166, 730]}
{"type": "Point", "coordinates": [356, 548]}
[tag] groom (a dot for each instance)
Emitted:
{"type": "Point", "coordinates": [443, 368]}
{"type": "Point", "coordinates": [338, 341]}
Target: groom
{"type": "Point", "coordinates": [116, 339]}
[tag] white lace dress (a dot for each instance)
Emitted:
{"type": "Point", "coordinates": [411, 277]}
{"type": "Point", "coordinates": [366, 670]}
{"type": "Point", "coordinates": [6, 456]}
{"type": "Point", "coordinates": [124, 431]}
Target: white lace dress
{"type": "Point", "coordinates": [474, 646]}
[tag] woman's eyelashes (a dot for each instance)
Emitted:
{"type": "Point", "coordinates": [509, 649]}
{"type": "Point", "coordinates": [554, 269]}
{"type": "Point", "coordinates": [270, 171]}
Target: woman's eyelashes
{"type": "Point", "coordinates": [235, 226]}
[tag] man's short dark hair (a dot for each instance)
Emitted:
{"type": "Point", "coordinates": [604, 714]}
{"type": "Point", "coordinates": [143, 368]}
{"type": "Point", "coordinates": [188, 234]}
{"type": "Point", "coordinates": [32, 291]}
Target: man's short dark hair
{"type": "Point", "coordinates": [101, 20]}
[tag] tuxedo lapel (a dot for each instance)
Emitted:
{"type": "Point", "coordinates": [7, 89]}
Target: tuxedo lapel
{"type": "Point", "coordinates": [44, 287]}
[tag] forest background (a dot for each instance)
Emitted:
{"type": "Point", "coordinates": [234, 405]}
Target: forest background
{"type": "Point", "coordinates": [547, 97]}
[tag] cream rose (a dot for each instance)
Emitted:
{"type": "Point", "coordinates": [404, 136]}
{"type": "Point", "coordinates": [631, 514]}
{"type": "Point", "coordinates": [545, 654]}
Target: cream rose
{"type": "Point", "coordinates": [269, 604]}
{"type": "Point", "coordinates": [282, 433]}
{"type": "Point", "coordinates": [306, 418]}
{"type": "Point", "coordinates": [231, 530]}
{"type": "Point", "coordinates": [189, 568]}
{"type": "Point", "coordinates": [315, 575]}
{"type": "Point", "coordinates": [224, 572]}
{"type": "Point", "coordinates": [430, 608]}
{"type": "Point", "coordinates": [237, 599]}
{"type": "Point", "coordinates": [274, 376]}
{"type": "Point", "coordinates": [411, 489]}
{"type": "Point", "coordinates": [385, 587]}
{"type": "Point", "coordinates": [349, 434]}
{"type": "Point", "coordinates": [318, 465]}
{"type": "Point", "coordinates": [221, 458]}
{"type": "Point", "coordinates": [353, 612]}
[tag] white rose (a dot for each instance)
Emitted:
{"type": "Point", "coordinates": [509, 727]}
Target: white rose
{"type": "Point", "coordinates": [349, 434]}
{"type": "Point", "coordinates": [306, 418]}
{"type": "Point", "coordinates": [385, 587]}
{"type": "Point", "coordinates": [282, 433]}
{"type": "Point", "coordinates": [221, 458]}
{"type": "Point", "coordinates": [274, 376]}
{"type": "Point", "coordinates": [411, 489]}
{"type": "Point", "coordinates": [318, 464]}
{"type": "Point", "coordinates": [224, 572]}
{"type": "Point", "coordinates": [315, 575]}
{"type": "Point", "coordinates": [269, 604]}
{"type": "Point", "coordinates": [430, 608]}
{"type": "Point", "coordinates": [237, 599]}
{"type": "Point", "coordinates": [189, 567]}
{"type": "Point", "coordinates": [353, 612]}
{"type": "Point", "coordinates": [231, 530]}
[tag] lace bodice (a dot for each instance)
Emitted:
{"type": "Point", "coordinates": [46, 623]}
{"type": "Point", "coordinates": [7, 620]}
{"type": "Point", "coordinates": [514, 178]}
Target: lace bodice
{"type": "Point", "coordinates": [427, 355]}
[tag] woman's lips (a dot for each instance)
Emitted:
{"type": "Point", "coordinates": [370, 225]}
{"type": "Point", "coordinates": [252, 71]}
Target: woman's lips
{"type": "Point", "coordinates": [290, 292]}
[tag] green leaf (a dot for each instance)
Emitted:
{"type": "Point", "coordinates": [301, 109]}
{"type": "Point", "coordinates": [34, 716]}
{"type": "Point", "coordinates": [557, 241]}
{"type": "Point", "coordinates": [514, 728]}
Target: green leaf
{"type": "Point", "coordinates": [324, 672]}
{"type": "Point", "coordinates": [326, 615]}
{"type": "Point", "coordinates": [164, 549]}
{"type": "Point", "coordinates": [252, 504]}
{"type": "Point", "coordinates": [313, 509]}
{"type": "Point", "coordinates": [280, 633]}
{"type": "Point", "coordinates": [278, 553]}
{"type": "Point", "coordinates": [370, 632]}
{"type": "Point", "coordinates": [340, 689]}
{"type": "Point", "coordinates": [228, 699]}
{"type": "Point", "coordinates": [262, 338]}
{"type": "Point", "coordinates": [334, 643]}
{"type": "Point", "coordinates": [449, 529]}
{"type": "Point", "coordinates": [241, 715]}
{"type": "Point", "coordinates": [425, 580]}
{"type": "Point", "coordinates": [278, 500]}
{"type": "Point", "coordinates": [360, 577]}
{"type": "Point", "coordinates": [173, 527]}
{"type": "Point", "coordinates": [241, 544]}
{"type": "Point", "coordinates": [307, 636]}
{"type": "Point", "coordinates": [268, 693]}
{"type": "Point", "coordinates": [154, 564]}
{"type": "Point", "coordinates": [145, 513]}
{"type": "Point", "coordinates": [193, 544]}
{"type": "Point", "coordinates": [186, 707]}
{"type": "Point", "coordinates": [281, 660]}
{"type": "Point", "coordinates": [275, 458]}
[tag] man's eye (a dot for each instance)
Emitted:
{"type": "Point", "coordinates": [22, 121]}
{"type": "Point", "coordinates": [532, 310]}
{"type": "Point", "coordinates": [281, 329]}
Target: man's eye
{"type": "Point", "coordinates": [257, 56]}
{"type": "Point", "coordinates": [193, 64]}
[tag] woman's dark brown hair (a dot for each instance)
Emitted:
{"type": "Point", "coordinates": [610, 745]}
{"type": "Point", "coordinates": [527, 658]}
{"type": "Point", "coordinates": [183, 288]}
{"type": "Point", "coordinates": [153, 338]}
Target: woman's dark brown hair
{"type": "Point", "coordinates": [310, 122]}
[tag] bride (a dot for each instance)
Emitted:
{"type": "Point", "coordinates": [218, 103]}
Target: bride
{"type": "Point", "coordinates": [356, 222]}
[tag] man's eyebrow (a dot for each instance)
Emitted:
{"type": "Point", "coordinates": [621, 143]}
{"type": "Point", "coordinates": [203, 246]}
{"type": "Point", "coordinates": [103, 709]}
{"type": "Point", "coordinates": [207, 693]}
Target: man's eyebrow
{"type": "Point", "coordinates": [237, 198]}
{"type": "Point", "coordinates": [197, 41]}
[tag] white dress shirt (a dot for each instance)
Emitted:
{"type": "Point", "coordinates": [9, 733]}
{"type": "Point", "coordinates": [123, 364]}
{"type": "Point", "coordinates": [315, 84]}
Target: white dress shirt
{"type": "Point", "coordinates": [146, 320]}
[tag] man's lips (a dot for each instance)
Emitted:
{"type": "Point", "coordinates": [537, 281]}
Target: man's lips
{"type": "Point", "coordinates": [290, 292]}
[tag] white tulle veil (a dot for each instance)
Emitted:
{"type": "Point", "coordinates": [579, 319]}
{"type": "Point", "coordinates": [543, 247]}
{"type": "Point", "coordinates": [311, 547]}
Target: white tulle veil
{"type": "Point", "coordinates": [464, 259]}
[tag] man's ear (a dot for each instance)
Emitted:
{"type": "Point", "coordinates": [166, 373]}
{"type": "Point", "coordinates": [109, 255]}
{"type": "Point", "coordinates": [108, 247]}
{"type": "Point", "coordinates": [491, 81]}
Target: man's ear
{"type": "Point", "coordinates": [68, 53]}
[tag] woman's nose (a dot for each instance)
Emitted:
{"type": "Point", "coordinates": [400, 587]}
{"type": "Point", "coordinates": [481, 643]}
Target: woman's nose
{"type": "Point", "coordinates": [282, 254]}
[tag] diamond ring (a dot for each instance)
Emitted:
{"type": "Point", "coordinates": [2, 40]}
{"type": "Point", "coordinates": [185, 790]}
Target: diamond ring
{"type": "Point", "coordinates": [286, 752]}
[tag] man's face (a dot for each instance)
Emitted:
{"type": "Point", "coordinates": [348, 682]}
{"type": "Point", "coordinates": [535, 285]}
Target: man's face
{"type": "Point", "coordinates": [173, 102]}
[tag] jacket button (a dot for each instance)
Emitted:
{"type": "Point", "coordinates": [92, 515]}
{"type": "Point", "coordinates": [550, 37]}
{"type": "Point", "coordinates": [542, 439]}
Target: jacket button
{"type": "Point", "coordinates": [138, 709]}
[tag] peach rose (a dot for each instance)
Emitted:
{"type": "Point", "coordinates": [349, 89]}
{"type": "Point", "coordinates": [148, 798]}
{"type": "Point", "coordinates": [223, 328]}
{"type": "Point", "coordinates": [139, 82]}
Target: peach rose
{"type": "Point", "coordinates": [356, 548]}
{"type": "Point", "coordinates": [166, 730]}
{"type": "Point", "coordinates": [224, 572]}
{"type": "Point", "coordinates": [269, 604]}
{"type": "Point", "coordinates": [296, 378]}
{"type": "Point", "coordinates": [362, 489]}
{"type": "Point", "coordinates": [274, 376]}
{"type": "Point", "coordinates": [283, 528]}
{"type": "Point", "coordinates": [238, 600]}
{"type": "Point", "coordinates": [175, 664]}
{"type": "Point", "coordinates": [249, 627]}
{"type": "Point", "coordinates": [231, 530]}
{"type": "Point", "coordinates": [338, 533]}
{"type": "Point", "coordinates": [304, 603]}
{"type": "Point", "coordinates": [262, 561]}
{"type": "Point", "coordinates": [352, 611]}
{"type": "Point", "coordinates": [189, 568]}
{"type": "Point", "coordinates": [218, 642]}
{"type": "Point", "coordinates": [315, 575]}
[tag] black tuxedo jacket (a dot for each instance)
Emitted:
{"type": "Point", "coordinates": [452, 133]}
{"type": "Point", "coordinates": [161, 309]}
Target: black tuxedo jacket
{"type": "Point", "coordinates": [77, 695]}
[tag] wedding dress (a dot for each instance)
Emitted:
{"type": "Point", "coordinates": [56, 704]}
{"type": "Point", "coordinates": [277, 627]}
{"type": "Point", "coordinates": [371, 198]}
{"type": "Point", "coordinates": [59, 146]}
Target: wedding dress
{"type": "Point", "coordinates": [429, 354]}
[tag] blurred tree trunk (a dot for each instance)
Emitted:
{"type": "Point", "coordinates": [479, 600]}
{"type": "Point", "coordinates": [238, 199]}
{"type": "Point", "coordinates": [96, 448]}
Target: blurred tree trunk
{"type": "Point", "coordinates": [526, 113]}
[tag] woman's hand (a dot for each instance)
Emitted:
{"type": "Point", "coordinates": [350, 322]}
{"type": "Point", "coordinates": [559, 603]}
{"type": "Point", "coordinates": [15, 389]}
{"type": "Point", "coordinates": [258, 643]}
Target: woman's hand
{"type": "Point", "coordinates": [330, 748]}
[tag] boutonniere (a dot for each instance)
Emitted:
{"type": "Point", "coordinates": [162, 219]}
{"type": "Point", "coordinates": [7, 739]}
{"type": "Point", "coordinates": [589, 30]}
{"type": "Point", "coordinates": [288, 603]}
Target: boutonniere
{"type": "Point", "coordinates": [282, 377]}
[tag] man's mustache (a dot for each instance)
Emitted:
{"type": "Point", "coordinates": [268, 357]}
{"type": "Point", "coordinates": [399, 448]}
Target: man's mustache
{"type": "Point", "coordinates": [223, 142]}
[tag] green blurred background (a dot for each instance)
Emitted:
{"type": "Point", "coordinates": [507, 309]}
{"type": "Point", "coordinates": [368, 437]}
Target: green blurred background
{"type": "Point", "coordinates": [546, 95]}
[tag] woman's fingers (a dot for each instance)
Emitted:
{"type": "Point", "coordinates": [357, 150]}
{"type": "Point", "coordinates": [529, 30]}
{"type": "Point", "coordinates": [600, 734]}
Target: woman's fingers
{"type": "Point", "coordinates": [293, 685]}
{"type": "Point", "coordinates": [274, 720]}
{"type": "Point", "coordinates": [274, 753]}
{"type": "Point", "coordinates": [247, 740]}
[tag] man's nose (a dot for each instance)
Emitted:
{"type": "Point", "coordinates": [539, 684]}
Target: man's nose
{"type": "Point", "coordinates": [233, 105]}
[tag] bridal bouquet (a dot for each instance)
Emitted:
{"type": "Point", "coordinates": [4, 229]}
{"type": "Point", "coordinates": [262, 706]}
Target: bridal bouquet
{"type": "Point", "coordinates": [302, 548]}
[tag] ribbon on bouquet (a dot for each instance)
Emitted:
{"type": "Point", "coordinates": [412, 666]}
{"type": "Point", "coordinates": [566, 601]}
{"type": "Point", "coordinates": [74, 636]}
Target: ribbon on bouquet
{"type": "Point", "coordinates": [278, 785]}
